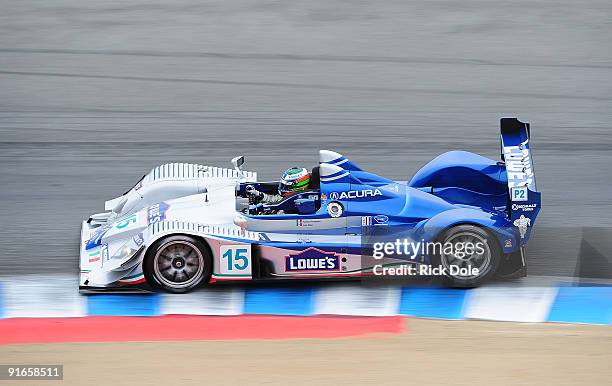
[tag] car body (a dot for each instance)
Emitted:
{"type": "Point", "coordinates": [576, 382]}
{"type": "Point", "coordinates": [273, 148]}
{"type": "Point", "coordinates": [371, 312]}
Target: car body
{"type": "Point", "coordinates": [183, 225]}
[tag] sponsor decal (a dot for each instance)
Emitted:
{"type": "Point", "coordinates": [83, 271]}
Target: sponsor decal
{"type": "Point", "coordinates": [306, 222]}
{"type": "Point", "coordinates": [138, 239]}
{"type": "Point", "coordinates": [353, 194]}
{"type": "Point", "coordinates": [157, 212]}
{"type": "Point", "coordinates": [335, 209]}
{"type": "Point", "coordinates": [508, 243]}
{"type": "Point", "coordinates": [312, 259]}
{"type": "Point", "coordinates": [323, 197]}
{"type": "Point", "coordinates": [522, 223]}
{"type": "Point", "coordinates": [524, 207]}
{"type": "Point", "coordinates": [519, 194]}
{"type": "Point", "coordinates": [518, 165]}
{"type": "Point", "coordinates": [381, 219]}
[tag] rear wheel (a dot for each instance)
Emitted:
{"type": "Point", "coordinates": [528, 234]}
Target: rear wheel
{"type": "Point", "coordinates": [473, 258]}
{"type": "Point", "coordinates": [178, 264]}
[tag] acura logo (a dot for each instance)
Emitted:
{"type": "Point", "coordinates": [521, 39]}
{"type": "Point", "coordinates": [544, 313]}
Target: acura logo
{"type": "Point", "coordinates": [351, 194]}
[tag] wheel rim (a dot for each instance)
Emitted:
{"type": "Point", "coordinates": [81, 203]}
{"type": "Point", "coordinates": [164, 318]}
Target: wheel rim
{"type": "Point", "coordinates": [178, 264]}
{"type": "Point", "coordinates": [480, 261]}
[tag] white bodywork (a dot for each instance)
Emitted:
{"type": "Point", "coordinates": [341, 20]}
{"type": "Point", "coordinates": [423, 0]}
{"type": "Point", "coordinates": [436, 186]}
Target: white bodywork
{"type": "Point", "coordinates": [172, 198]}
{"type": "Point", "coordinates": [199, 200]}
{"type": "Point", "coordinates": [175, 180]}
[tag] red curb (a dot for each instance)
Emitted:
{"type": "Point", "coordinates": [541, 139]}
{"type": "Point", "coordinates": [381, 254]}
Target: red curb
{"type": "Point", "coordinates": [190, 327]}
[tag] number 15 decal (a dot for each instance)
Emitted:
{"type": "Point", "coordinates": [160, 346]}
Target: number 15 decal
{"type": "Point", "coordinates": [235, 260]}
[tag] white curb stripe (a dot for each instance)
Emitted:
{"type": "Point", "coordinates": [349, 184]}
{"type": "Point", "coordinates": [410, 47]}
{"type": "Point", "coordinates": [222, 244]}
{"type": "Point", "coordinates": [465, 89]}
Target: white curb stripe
{"type": "Point", "coordinates": [354, 300]}
{"type": "Point", "coordinates": [42, 296]}
{"type": "Point", "coordinates": [518, 304]}
{"type": "Point", "coordinates": [214, 301]}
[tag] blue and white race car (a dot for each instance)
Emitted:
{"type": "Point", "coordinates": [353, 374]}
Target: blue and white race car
{"type": "Point", "coordinates": [184, 225]}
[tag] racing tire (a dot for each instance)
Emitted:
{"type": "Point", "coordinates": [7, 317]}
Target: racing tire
{"type": "Point", "coordinates": [177, 264]}
{"type": "Point", "coordinates": [486, 262]}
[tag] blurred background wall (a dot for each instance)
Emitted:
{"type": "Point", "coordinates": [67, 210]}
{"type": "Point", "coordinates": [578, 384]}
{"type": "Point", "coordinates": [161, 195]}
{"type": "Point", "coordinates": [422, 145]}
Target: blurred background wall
{"type": "Point", "coordinates": [95, 93]}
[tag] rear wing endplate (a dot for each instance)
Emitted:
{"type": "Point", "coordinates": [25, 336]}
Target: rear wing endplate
{"type": "Point", "coordinates": [524, 200]}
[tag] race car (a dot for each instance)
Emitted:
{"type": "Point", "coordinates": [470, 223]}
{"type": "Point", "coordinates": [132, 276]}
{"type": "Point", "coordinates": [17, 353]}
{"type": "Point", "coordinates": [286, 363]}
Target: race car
{"type": "Point", "coordinates": [186, 225]}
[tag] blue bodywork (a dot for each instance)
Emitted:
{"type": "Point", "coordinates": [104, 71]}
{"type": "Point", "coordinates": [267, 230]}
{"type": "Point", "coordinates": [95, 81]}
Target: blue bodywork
{"type": "Point", "coordinates": [455, 188]}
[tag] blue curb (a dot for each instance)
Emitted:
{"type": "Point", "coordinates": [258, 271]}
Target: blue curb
{"type": "Point", "coordinates": [591, 305]}
{"type": "Point", "coordinates": [585, 304]}
{"type": "Point", "coordinates": [438, 303]}
{"type": "Point", "coordinates": [124, 305]}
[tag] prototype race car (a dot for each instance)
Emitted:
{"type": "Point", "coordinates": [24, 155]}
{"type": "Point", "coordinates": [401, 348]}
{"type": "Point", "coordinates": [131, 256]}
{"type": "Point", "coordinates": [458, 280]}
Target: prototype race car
{"type": "Point", "coordinates": [184, 225]}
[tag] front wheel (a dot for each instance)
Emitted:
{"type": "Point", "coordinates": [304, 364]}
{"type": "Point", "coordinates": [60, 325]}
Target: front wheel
{"type": "Point", "coordinates": [178, 264]}
{"type": "Point", "coordinates": [470, 255]}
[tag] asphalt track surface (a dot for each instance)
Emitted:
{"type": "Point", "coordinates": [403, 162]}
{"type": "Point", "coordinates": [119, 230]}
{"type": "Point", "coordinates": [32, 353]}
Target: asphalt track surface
{"type": "Point", "coordinates": [94, 94]}
{"type": "Point", "coordinates": [429, 352]}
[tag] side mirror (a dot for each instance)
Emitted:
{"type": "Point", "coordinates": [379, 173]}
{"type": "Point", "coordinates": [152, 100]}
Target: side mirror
{"type": "Point", "coordinates": [238, 162]}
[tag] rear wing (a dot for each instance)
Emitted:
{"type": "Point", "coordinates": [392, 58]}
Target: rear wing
{"type": "Point", "coordinates": [524, 200]}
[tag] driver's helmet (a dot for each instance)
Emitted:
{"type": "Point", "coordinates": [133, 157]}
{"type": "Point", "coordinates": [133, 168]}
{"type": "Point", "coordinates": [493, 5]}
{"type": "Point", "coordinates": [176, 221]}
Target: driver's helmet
{"type": "Point", "coordinates": [294, 180]}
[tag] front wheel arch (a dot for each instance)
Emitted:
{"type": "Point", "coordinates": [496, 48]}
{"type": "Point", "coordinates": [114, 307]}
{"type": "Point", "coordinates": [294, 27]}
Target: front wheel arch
{"type": "Point", "coordinates": [155, 280]}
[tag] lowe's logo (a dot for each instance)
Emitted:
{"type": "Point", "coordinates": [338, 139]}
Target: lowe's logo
{"type": "Point", "coordinates": [352, 194]}
{"type": "Point", "coordinates": [312, 259]}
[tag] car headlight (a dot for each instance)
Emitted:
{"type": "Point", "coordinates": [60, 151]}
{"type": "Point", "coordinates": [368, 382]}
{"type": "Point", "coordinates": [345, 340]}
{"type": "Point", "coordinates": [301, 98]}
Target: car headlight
{"type": "Point", "coordinates": [125, 252]}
